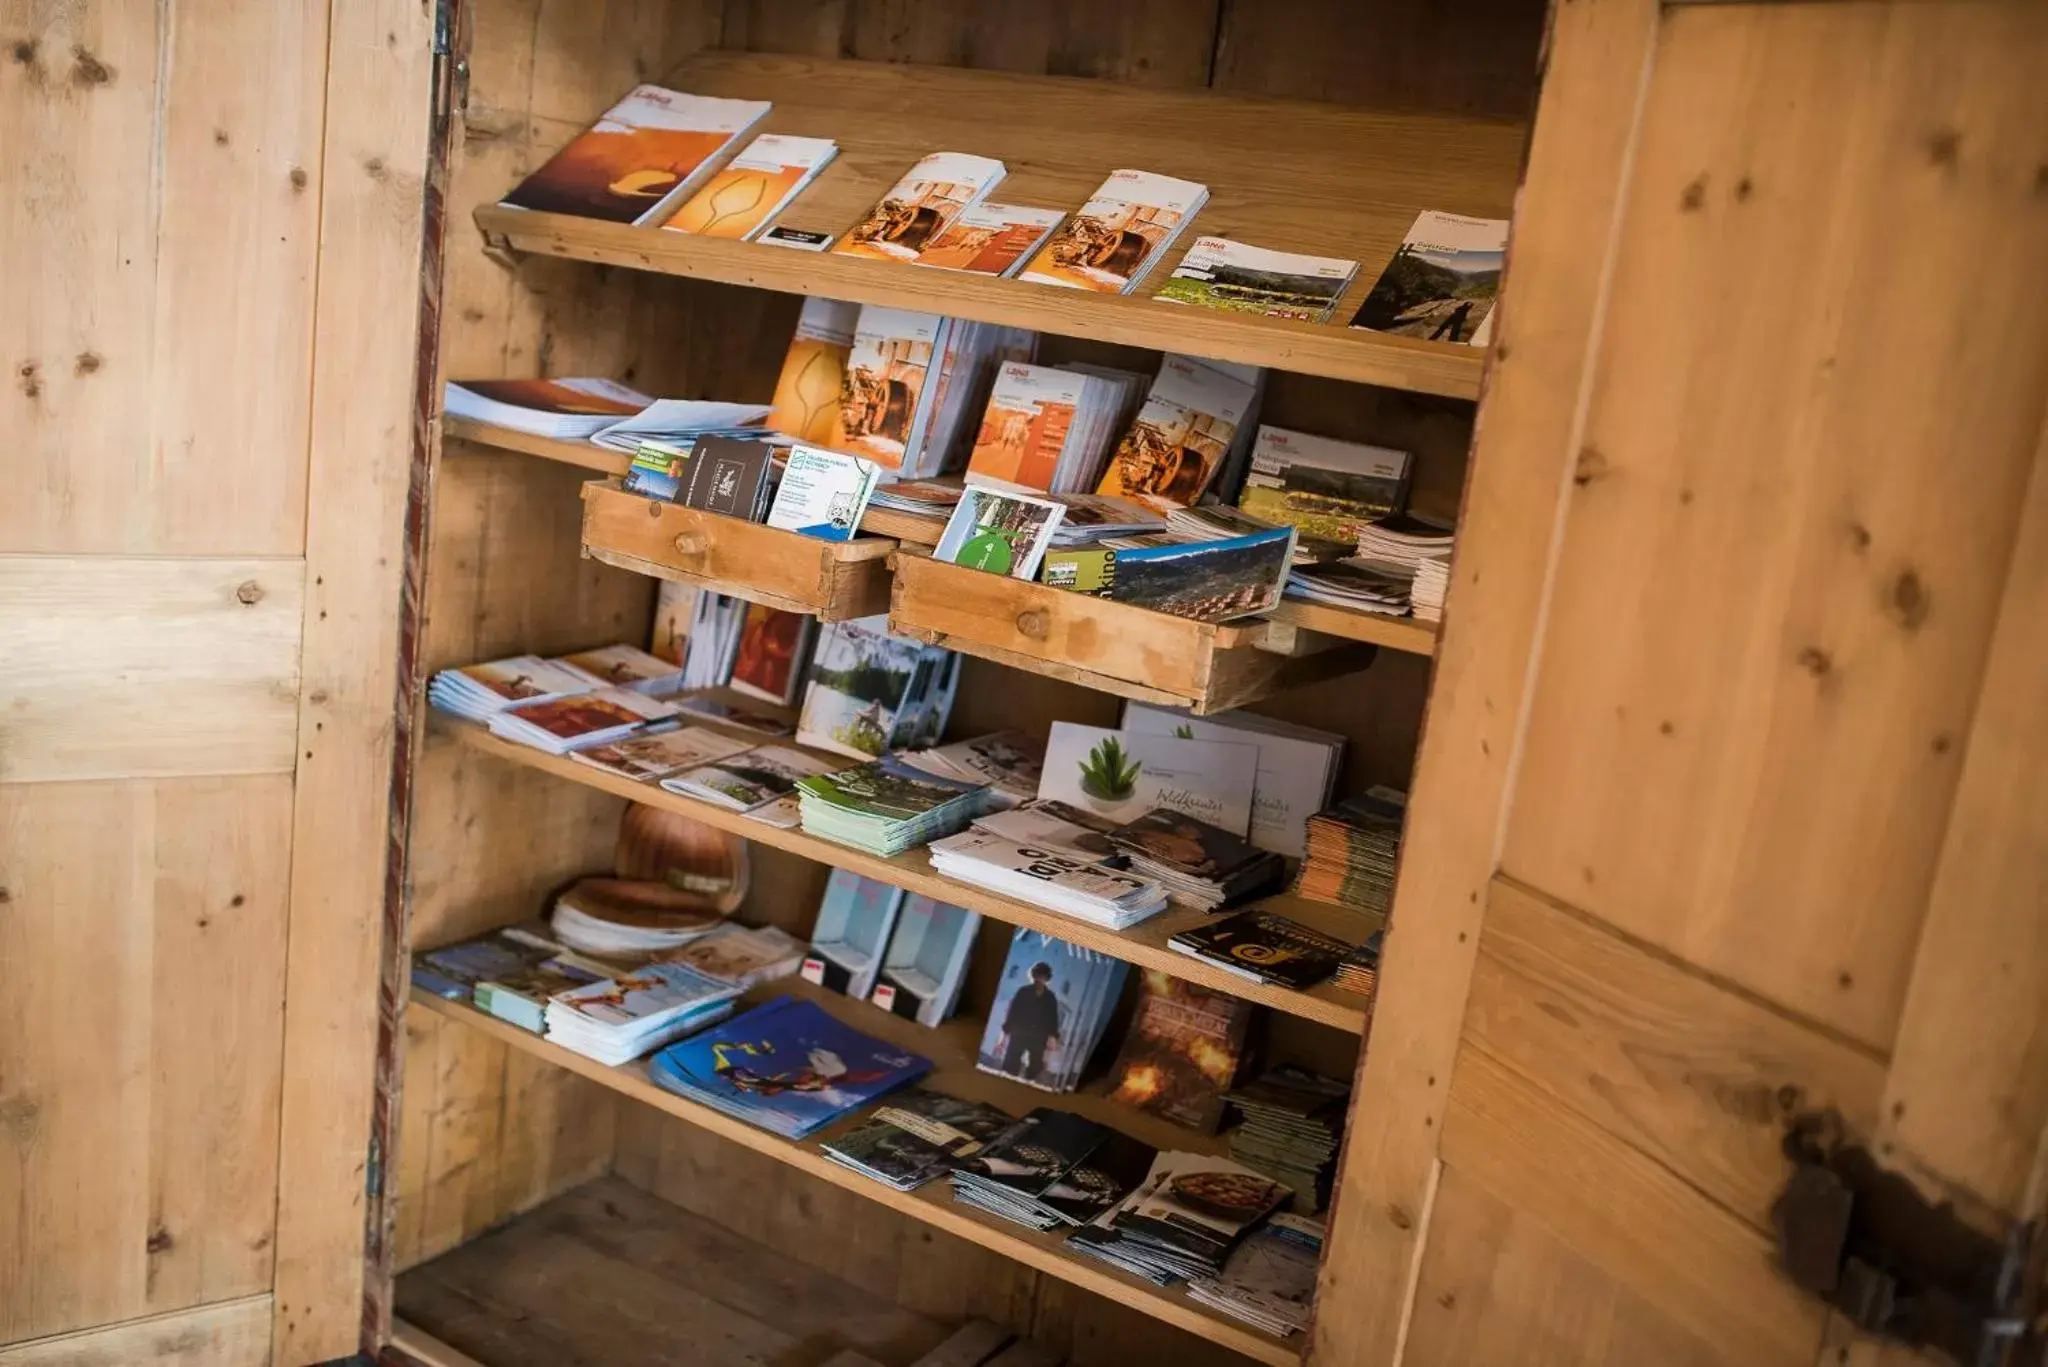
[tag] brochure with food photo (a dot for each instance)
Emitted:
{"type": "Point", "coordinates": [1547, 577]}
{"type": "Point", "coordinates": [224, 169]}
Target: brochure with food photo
{"type": "Point", "coordinates": [1121, 775]}
{"type": "Point", "coordinates": [739, 200]}
{"type": "Point", "coordinates": [918, 208]}
{"type": "Point", "coordinates": [1119, 234]}
{"type": "Point", "coordinates": [644, 156]}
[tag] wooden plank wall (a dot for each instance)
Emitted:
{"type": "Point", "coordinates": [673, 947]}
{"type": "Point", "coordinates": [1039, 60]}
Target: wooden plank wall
{"type": "Point", "coordinates": [198, 607]}
{"type": "Point", "coordinates": [1773, 814]}
{"type": "Point", "coordinates": [489, 841]}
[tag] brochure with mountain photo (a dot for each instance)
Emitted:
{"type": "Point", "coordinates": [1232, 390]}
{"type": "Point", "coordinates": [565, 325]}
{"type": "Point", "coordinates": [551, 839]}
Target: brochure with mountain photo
{"type": "Point", "coordinates": [1442, 282]}
{"type": "Point", "coordinates": [1236, 277]}
{"type": "Point", "coordinates": [1121, 775]}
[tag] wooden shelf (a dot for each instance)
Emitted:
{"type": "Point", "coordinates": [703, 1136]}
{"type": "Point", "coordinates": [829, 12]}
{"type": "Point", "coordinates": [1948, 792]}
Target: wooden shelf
{"type": "Point", "coordinates": [1406, 634]}
{"type": "Point", "coordinates": [1144, 944]}
{"type": "Point", "coordinates": [1318, 178]}
{"type": "Point", "coordinates": [951, 1048]}
{"type": "Point", "coordinates": [831, 580]}
{"type": "Point", "coordinates": [1130, 651]}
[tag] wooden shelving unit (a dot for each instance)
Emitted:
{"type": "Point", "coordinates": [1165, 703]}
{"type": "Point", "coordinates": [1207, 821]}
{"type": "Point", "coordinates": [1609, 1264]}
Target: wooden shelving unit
{"type": "Point", "coordinates": [951, 1048]}
{"type": "Point", "coordinates": [1315, 178]}
{"type": "Point", "coordinates": [1143, 944]}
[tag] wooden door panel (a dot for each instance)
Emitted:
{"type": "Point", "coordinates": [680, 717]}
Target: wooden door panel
{"type": "Point", "coordinates": [1773, 595]}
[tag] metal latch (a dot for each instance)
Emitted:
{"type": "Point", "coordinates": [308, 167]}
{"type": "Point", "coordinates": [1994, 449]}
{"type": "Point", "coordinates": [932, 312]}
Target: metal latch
{"type": "Point", "coordinates": [1896, 1264]}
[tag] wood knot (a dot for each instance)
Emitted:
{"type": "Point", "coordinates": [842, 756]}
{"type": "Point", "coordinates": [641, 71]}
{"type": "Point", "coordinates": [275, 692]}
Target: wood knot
{"type": "Point", "coordinates": [1744, 188]}
{"type": "Point", "coordinates": [248, 593]}
{"type": "Point", "coordinates": [1694, 197]}
{"type": "Point", "coordinates": [1591, 465]}
{"type": "Point", "coordinates": [31, 379]}
{"type": "Point", "coordinates": [1907, 601]}
{"type": "Point", "coordinates": [374, 168]}
{"type": "Point", "coordinates": [691, 545]}
{"type": "Point", "coordinates": [1034, 623]}
{"type": "Point", "coordinates": [1400, 1218]}
{"type": "Point", "coordinates": [88, 363]}
{"type": "Point", "coordinates": [159, 1241]}
{"type": "Point", "coordinates": [298, 178]}
{"type": "Point", "coordinates": [88, 70]}
{"type": "Point", "coordinates": [6, 896]}
{"type": "Point", "coordinates": [1815, 661]}
{"type": "Point", "coordinates": [1859, 537]}
{"type": "Point", "coordinates": [220, 137]}
{"type": "Point", "coordinates": [1944, 146]}
{"type": "Point", "coordinates": [24, 51]}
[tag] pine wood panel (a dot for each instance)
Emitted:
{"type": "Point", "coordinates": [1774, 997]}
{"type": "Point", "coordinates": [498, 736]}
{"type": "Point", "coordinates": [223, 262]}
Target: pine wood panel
{"type": "Point", "coordinates": [1548, 325]}
{"type": "Point", "coordinates": [1776, 586]}
{"type": "Point", "coordinates": [136, 668]}
{"type": "Point", "coordinates": [1968, 1092]}
{"type": "Point", "coordinates": [172, 160]}
{"type": "Point", "coordinates": [232, 1333]}
{"type": "Point", "coordinates": [363, 436]}
{"type": "Point", "coordinates": [142, 935]}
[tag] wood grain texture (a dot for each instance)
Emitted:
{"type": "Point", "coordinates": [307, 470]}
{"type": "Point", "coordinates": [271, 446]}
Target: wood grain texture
{"type": "Point", "coordinates": [830, 580]}
{"type": "Point", "coordinates": [139, 668]}
{"type": "Point", "coordinates": [142, 932]}
{"type": "Point", "coordinates": [360, 460]}
{"type": "Point", "coordinates": [1695, 1076]}
{"type": "Point", "coordinates": [171, 159]}
{"type": "Point", "coordinates": [1967, 1099]}
{"type": "Point", "coordinates": [1549, 320]}
{"type": "Point", "coordinates": [234, 1333]}
{"type": "Point", "coordinates": [1695, 1266]}
{"type": "Point", "coordinates": [1711, 770]}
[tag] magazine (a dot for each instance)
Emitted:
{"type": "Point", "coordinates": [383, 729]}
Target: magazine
{"type": "Point", "coordinates": [646, 155]}
{"type": "Point", "coordinates": [1051, 1006]}
{"type": "Point", "coordinates": [652, 757]}
{"type": "Point", "coordinates": [1264, 947]}
{"type": "Point", "coordinates": [1126, 226]}
{"type": "Point", "coordinates": [1217, 273]}
{"type": "Point", "coordinates": [1442, 282]}
{"type": "Point", "coordinates": [918, 1136]}
{"type": "Point", "coordinates": [1121, 775]}
{"type": "Point", "coordinates": [740, 200]}
{"type": "Point", "coordinates": [1181, 1052]}
{"type": "Point", "coordinates": [1002, 533]}
{"type": "Point", "coordinates": [1326, 488]}
{"type": "Point", "coordinates": [918, 207]}
{"type": "Point", "coordinates": [1182, 435]}
{"type": "Point", "coordinates": [806, 402]}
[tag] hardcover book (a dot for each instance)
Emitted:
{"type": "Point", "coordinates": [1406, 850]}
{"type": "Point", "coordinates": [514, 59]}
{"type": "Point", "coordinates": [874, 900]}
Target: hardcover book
{"type": "Point", "coordinates": [740, 200]}
{"type": "Point", "coordinates": [1181, 1052]}
{"type": "Point", "coordinates": [918, 208]}
{"type": "Point", "coordinates": [1442, 282]}
{"type": "Point", "coordinates": [806, 403]}
{"type": "Point", "coordinates": [1181, 436]}
{"type": "Point", "coordinates": [1121, 775]}
{"type": "Point", "coordinates": [647, 153]}
{"type": "Point", "coordinates": [1217, 273]}
{"type": "Point", "coordinates": [1119, 234]}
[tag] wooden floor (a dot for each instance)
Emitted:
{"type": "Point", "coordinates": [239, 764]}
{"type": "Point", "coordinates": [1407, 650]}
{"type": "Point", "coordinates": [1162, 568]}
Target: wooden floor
{"type": "Point", "coordinates": [609, 1276]}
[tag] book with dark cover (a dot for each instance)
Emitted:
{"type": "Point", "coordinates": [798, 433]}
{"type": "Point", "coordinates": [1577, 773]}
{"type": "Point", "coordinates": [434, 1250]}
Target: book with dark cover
{"type": "Point", "coordinates": [1182, 1051]}
{"type": "Point", "coordinates": [1035, 1152]}
{"type": "Point", "coordinates": [728, 476]}
{"type": "Point", "coordinates": [1261, 945]}
{"type": "Point", "coordinates": [918, 1136]}
{"type": "Point", "coordinates": [1095, 1184]}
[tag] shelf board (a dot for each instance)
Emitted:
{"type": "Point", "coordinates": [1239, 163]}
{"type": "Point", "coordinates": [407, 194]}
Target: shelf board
{"type": "Point", "coordinates": [1407, 634]}
{"type": "Point", "coordinates": [951, 1049]}
{"type": "Point", "coordinates": [1144, 944]}
{"type": "Point", "coordinates": [1324, 179]}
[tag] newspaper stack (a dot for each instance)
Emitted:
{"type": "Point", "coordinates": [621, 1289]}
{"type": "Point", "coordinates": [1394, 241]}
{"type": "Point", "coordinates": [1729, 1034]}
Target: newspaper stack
{"type": "Point", "coordinates": [1270, 1281]}
{"type": "Point", "coordinates": [885, 807]}
{"type": "Point", "coordinates": [1080, 888]}
{"type": "Point", "coordinates": [1293, 1122]}
{"type": "Point", "coordinates": [1352, 851]}
{"type": "Point", "coordinates": [1405, 540]}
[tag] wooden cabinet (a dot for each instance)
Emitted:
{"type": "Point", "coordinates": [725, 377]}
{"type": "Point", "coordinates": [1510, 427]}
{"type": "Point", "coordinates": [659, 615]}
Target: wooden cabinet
{"type": "Point", "coordinates": [1728, 809]}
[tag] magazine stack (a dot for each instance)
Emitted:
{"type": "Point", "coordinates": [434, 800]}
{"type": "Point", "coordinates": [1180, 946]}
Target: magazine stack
{"type": "Point", "coordinates": [1051, 1170]}
{"type": "Point", "coordinates": [1199, 864]}
{"type": "Point", "coordinates": [1353, 850]}
{"type": "Point", "coordinates": [1270, 1280]}
{"type": "Point", "coordinates": [1082, 888]}
{"type": "Point", "coordinates": [1293, 1121]}
{"type": "Point", "coordinates": [617, 1019]}
{"type": "Point", "coordinates": [1184, 1220]}
{"type": "Point", "coordinates": [917, 1137]}
{"type": "Point", "coordinates": [884, 806]}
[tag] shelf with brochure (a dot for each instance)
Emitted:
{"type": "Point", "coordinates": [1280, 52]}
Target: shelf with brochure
{"type": "Point", "coordinates": [1144, 944]}
{"type": "Point", "coordinates": [951, 1048]}
{"type": "Point", "coordinates": [830, 580]}
{"type": "Point", "coordinates": [1303, 177]}
{"type": "Point", "coordinates": [1118, 648]}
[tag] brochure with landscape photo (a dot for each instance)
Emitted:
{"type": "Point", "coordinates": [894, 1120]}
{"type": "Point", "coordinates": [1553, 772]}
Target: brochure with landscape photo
{"type": "Point", "coordinates": [1210, 581]}
{"type": "Point", "coordinates": [1441, 284]}
{"type": "Point", "coordinates": [858, 679]}
{"type": "Point", "coordinates": [1121, 775]}
{"type": "Point", "coordinates": [1001, 533]}
{"type": "Point", "coordinates": [1217, 273]}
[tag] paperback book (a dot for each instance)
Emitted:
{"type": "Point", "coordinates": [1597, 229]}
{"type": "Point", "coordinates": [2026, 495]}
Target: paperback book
{"type": "Point", "coordinates": [806, 402]}
{"type": "Point", "coordinates": [1442, 282]}
{"type": "Point", "coordinates": [1121, 775]}
{"type": "Point", "coordinates": [646, 155]}
{"type": "Point", "coordinates": [741, 199]}
{"type": "Point", "coordinates": [918, 1136]}
{"type": "Point", "coordinates": [1001, 533]}
{"type": "Point", "coordinates": [569, 409]}
{"type": "Point", "coordinates": [1123, 230]}
{"type": "Point", "coordinates": [1181, 1052]}
{"type": "Point", "coordinates": [1051, 1005]}
{"type": "Point", "coordinates": [787, 1066]}
{"type": "Point", "coordinates": [1182, 435]}
{"type": "Point", "coordinates": [1217, 273]}
{"type": "Point", "coordinates": [822, 493]}
{"type": "Point", "coordinates": [748, 779]}
{"type": "Point", "coordinates": [919, 207]}
{"type": "Point", "coordinates": [990, 239]}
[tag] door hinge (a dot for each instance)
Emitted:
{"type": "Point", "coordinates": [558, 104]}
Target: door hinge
{"type": "Point", "coordinates": [1895, 1263]}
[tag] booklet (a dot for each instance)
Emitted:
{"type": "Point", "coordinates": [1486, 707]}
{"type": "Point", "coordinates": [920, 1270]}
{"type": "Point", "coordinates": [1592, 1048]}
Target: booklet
{"type": "Point", "coordinates": [646, 155]}
{"type": "Point", "coordinates": [857, 687]}
{"type": "Point", "coordinates": [1264, 947]}
{"type": "Point", "coordinates": [1002, 533]}
{"type": "Point", "coordinates": [624, 666]}
{"type": "Point", "coordinates": [806, 403]}
{"type": "Point", "coordinates": [919, 207]}
{"type": "Point", "coordinates": [1328, 488]}
{"type": "Point", "coordinates": [1121, 775]}
{"type": "Point", "coordinates": [1217, 273]}
{"type": "Point", "coordinates": [918, 1136]}
{"type": "Point", "coordinates": [748, 779]}
{"type": "Point", "coordinates": [1298, 766]}
{"type": "Point", "coordinates": [739, 201]}
{"type": "Point", "coordinates": [728, 477]}
{"type": "Point", "coordinates": [1119, 234]}
{"type": "Point", "coordinates": [884, 404]}
{"type": "Point", "coordinates": [1183, 433]}
{"type": "Point", "coordinates": [823, 493]}
{"type": "Point", "coordinates": [1442, 282]}
{"type": "Point", "coordinates": [990, 239]}
{"type": "Point", "coordinates": [1210, 581]}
